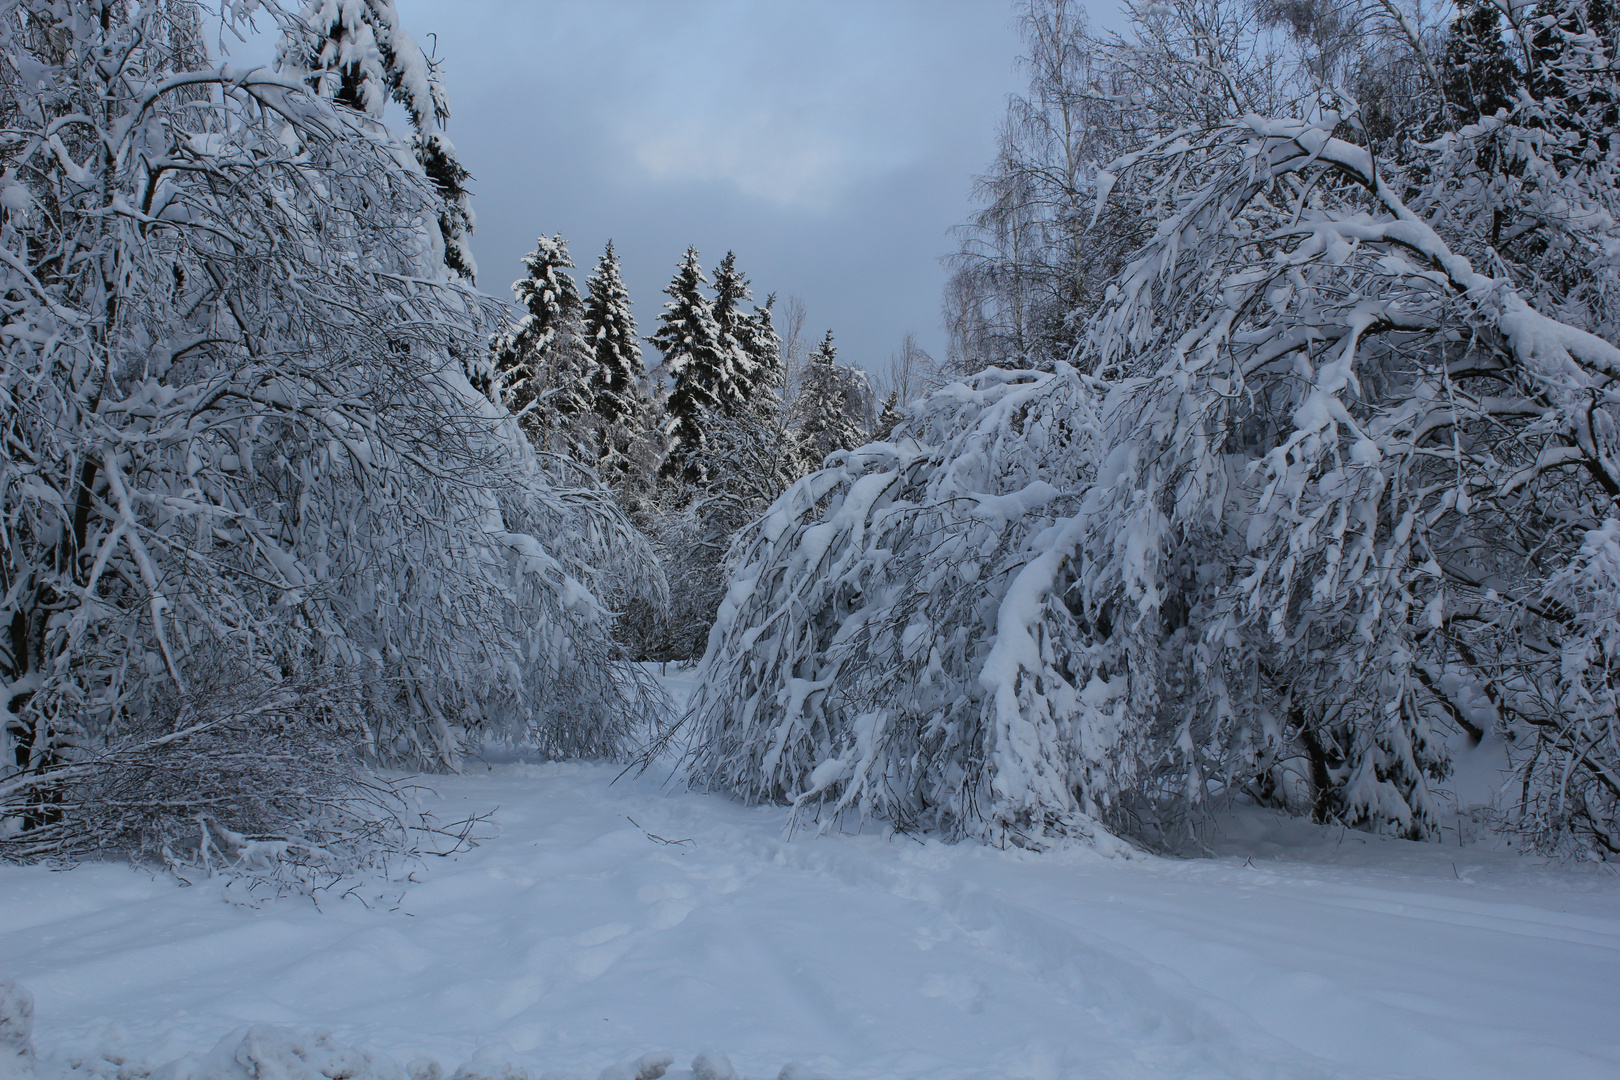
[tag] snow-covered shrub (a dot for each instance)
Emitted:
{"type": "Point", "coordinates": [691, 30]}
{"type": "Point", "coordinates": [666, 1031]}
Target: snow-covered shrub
{"type": "Point", "coordinates": [238, 775]}
{"type": "Point", "coordinates": [691, 549]}
{"type": "Point", "coordinates": [901, 637]}
{"type": "Point", "coordinates": [1562, 719]}
{"type": "Point", "coordinates": [236, 426]}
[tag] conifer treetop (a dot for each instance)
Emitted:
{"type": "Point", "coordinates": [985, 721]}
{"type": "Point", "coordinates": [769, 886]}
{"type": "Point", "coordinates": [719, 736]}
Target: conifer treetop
{"type": "Point", "coordinates": [610, 333]}
{"type": "Point", "coordinates": [689, 339]}
{"type": "Point", "coordinates": [831, 405]}
{"type": "Point", "coordinates": [764, 346]}
{"type": "Point", "coordinates": [357, 53]}
{"type": "Point", "coordinates": [548, 290]}
{"type": "Point", "coordinates": [826, 352]}
{"type": "Point", "coordinates": [543, 363]}
{"type": "Point", "coordinates": [741, 367]}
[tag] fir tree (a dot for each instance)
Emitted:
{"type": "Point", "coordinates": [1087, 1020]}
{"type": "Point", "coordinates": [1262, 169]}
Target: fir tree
{"type": "Point", "coordinates": [542, 363]}
{"type": "Point", "coordinates": [617, 372]}
{"type": "Point", "coordinates": [830, 405]}
{"type": "Point", "coordinates": [358, 55]}
{"type": "Point", "coordinates": [764, 347]}
{"type": "Point", "coordinates": [739, 371]}
{"type": "Point", "coordinates": [1573, 72]}
{"type": "Point", "coordinates": [695, 361]}
{"type": "Point", "coordinates": [889, 418]}
{"type": "Point", "coordinates": [437, 156]}
{"type": "Point", "coordinates": [1477, 74]}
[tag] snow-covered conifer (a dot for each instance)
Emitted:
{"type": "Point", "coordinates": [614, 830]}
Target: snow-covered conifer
{"type": "Point", "coordinates": [696, 363]}
{"type": "Point", "coordinates": [748, 457]}
{"type": "Point", "coordinates": [1478, 75]}
{"type": "Point", "coordinates": [617, 373]}
{"type": "Point", "coordinates": [357, 53]}
{"type": "Point", "coordinates": [736, 336]}
{"type": "Point", "coordinates": [543, 362]}
{"type": "Point", "coordinates": [439, 161]}
{"type": "Point", "coordinates": [831, 406]}
{"type": "Point", "coordinates": [764, 347]}
{"type": "Point", "coordinates": [889, 417]}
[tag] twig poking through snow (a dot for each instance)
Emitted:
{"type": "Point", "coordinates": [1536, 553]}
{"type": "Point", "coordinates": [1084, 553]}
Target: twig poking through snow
{"type": "Point", "coordinates": [655, 836]}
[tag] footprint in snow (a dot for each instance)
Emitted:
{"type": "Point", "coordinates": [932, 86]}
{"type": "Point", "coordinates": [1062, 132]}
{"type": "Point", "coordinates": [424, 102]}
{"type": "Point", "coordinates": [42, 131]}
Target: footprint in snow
{"type": "Point", "coordinates": [664, 890]}
{"type": "Point", "coordinates": [600, 935]}
{"type": "Point", "coordinates": [603, 945]}
{"type": "Point", "coordinates": [668, 914]}
{"type": "Point", "coordinates": [667, 902]}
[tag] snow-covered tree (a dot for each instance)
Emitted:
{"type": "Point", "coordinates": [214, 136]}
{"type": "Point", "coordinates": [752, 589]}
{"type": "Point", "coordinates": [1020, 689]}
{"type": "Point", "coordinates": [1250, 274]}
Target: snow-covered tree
{"type": "Point", "coordinates": [751, 456]}
{"type": "Point", "coordinates": [241, 454]}
{"type": "Point", "coordinates": [1334, 474]}
{"type": "Point", "coordinates": [457, 221]}
{"type": "Point", "coordinates": [889, 417]}
{"type": "Point", "coordinates": [742, 370]}
{"type": "Point", "coordinates": [831, 406]}
{"type": "Point", "coordinates": [844, 670]}
{"type": "Point", "coordinates": [763, 345]}
{"type": "Point", "coordinates": [695, 361]}
{"type": "Point", "coordinates": [357, 53]}
{"type": "Point", "coordinates": [617, 373]}
{"type": "Point", "coordinates": [1031, 261]}
{"type": "Point", "coordinates": [543, 363]}
{"type": "Point", "coordinates": [746, 457]}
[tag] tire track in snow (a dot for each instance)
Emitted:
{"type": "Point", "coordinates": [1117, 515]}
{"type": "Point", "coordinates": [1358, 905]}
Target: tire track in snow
{"type": "Point", "coordinates": [1140, 1017]}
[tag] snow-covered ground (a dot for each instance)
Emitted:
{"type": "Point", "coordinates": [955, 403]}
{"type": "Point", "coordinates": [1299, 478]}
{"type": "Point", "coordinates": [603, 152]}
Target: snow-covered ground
{"type": "Point", "coordinates": [607, 920]}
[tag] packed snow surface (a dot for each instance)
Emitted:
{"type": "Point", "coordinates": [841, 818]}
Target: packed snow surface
{"type": "Point", "coordinates": [601, 921]}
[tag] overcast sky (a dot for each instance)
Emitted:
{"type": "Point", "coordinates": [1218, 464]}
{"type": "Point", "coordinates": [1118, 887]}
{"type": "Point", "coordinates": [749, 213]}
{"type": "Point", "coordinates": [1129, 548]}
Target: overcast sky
{"type": "Point", "coordinates": [831, 143]}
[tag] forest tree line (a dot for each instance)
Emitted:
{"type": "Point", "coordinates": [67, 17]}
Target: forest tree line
{"type": "Point", "coordinates": [696, 443]}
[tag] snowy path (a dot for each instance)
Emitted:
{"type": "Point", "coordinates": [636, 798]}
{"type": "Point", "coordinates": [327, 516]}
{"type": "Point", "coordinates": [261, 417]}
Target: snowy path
{"type": "Point", "coordinates": [574, 940]}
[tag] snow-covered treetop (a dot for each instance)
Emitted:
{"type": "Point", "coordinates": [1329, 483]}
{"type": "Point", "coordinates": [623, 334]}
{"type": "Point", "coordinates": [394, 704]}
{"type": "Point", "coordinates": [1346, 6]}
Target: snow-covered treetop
{"type": "Point", "coordinates": [610, 332]}
{"type": "Point", "coordinates": [356, 52]}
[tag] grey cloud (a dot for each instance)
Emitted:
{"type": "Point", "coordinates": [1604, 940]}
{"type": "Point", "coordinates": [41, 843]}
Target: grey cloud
{"type": "Point", "coordinates": [831, 143]}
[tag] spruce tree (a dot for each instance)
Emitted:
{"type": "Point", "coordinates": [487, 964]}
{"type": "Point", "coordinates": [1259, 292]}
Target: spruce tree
{"type": "Point", "coordinates": [889, 418]}
{"type": "Point", "coordinates": [695, 361]}
{"type": "Point", "coordinates": [764, 347]}
{"type": "Point", "coordinates": [1477, 73]}
{"type": "Point", "coordinates": [617, 371]}
{"type": "Point", "coordinates": [830, 406]}
{"type": "Point", "coordinates": [542, 363]}
{"type": "Point", "coordinates": [437, 156]}
{"type": "Point", "coordinates": [358, 55]}
{"type": "Point", "coordinates": [730, 292]}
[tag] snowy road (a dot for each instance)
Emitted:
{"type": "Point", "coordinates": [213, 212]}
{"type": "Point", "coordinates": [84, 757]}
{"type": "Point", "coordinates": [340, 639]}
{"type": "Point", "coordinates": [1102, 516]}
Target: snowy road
{"type": "Point", "coordinates": [573, 940]}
